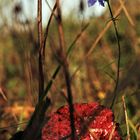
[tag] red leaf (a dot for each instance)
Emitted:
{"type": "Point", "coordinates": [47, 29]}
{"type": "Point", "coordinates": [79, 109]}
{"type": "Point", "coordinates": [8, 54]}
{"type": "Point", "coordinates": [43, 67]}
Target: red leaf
{"type": "Point", "coordinates": [92, 122]}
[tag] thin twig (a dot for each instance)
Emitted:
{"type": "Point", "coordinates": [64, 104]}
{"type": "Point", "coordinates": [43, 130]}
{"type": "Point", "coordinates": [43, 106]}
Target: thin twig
{"type": "Point", "coordinates": [70, 48]}
{"type": "Point", "coordinates": [47, 29]}
{"type": "Point", "coordinates": [33, 129]}
{"type": "Point", "coordinates": [126, 118]}
{"type": "Point", "coordinates": [65, 70]}
{"type": "Point", "coordinates": [127, 13]}
{"type": "Point", "coordinates": [112, 131]}
{"type": "Point", "coordinates": [96, 41]}
{"type": "Point", "coordinates": [39, 22]}
{"type": "Point", "coordinates": [40, 59]}
{"type": "Point", "coordinates": [119, 55]}
{"type": "Point", "coordinates": [3, 94]}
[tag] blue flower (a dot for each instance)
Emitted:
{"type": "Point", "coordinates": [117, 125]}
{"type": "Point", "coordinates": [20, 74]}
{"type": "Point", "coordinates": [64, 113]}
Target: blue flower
{"type": "Point", "coordinates": [92, 2]}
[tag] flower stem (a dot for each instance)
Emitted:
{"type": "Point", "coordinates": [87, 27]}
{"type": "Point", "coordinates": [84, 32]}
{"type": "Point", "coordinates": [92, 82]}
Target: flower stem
{"type": "Point", "coordinates": [119, 55]}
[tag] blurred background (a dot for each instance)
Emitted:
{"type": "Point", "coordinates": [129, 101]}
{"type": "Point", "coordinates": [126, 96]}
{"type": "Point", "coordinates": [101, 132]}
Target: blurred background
{"type": "Point", "coordinates": [92, 62]}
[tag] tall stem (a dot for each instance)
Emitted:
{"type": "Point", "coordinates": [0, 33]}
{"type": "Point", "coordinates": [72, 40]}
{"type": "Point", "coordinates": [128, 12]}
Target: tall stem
{"type": "Point", "coordinates": [119, 55]}
{"type": "Point", "coordinates": [40, 41]}
{"type": "Point", "coordinates": [63, 58]}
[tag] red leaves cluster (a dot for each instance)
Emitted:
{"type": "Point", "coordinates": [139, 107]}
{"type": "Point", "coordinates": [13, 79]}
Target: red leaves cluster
{"type": "Point", "coordinates": [92, 122]}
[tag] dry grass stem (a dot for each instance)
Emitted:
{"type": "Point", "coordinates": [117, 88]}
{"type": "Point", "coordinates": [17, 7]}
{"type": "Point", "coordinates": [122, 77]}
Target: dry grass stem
{"type": "Point", "coordinates": [126, 118]}
{"type": "Point", "coordinates": [112, 132]}
{"type": "Point", "coordinates": [126, 13]}
{"type": "Point", "coordinates": [99, 37]}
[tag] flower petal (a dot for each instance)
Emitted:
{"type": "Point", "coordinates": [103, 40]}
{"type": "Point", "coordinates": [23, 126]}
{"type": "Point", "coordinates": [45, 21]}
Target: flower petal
{"type": "Point", "coordinates": [101, 2]}
{"type": "Point", "coordinates": [91, 2]}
